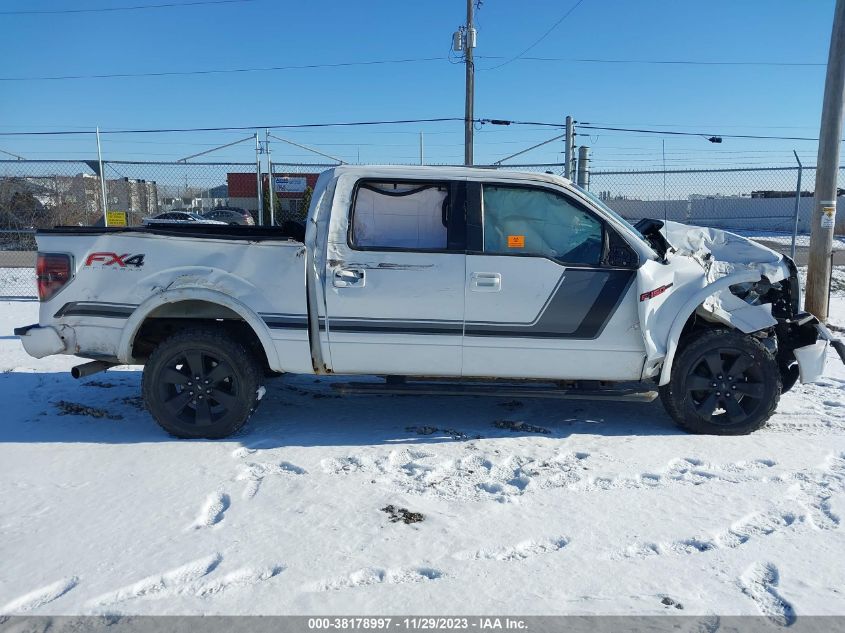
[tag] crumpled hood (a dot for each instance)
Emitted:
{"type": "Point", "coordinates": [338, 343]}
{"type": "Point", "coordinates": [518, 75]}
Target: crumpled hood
{"type": "Point", "coordinates": [722, 252]}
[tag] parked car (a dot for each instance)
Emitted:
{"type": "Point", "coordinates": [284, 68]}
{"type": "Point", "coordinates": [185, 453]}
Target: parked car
{"type": "Point", "coordinates": [230, 216]}
{"type": "Point", "coordinates": [170, 217]}
{"type": "Point", "coordinates": [444, 280]}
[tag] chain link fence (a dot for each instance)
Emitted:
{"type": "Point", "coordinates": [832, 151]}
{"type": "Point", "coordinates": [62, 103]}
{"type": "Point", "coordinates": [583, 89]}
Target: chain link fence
{"type": "Point", "coordinates": [760, 203]}
{"type": "Point", "coordinates": [756, 202]}
{"type": "Point", "coordinates": [38, 194]}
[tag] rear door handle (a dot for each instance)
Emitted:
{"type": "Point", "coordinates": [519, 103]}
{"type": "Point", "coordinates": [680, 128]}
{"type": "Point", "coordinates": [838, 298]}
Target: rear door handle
{"type": "Point", "coordinates": [486, 282]}
{"type": "Point", "coordinates": [348, 277]}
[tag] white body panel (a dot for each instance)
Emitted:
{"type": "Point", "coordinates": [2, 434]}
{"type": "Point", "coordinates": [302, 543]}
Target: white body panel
{"type": "Point", "coordinates": [403, 314]}
{"type": "Point", "coordinates": [509, 332]}
{"type": "Point", "coordinates": [109, 302]}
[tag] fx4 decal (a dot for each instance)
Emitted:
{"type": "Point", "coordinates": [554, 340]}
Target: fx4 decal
{"type": "Point", "coordinates": [113, 259]}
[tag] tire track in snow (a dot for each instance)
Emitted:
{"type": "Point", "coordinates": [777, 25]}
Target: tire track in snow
{"type": "Point", "coordinates": [758, 583]}
{"type": "Point", "coordinates": [375, 576]}
{"type": "Point", "coordinates": [40, 597]}
{"type": "Point", "coordinates": [814, 489]}
{"type": "Point", "coordinates": [474, 476]}
{"type": "Point", "coordinates": [212, 511]}
{"type": "Point", "coordinates": [811, 494]}
{"type": "Point", "coordinates": [244, 577]}
{"type": "Point", "coordinates": [752, 526]}
{"type": "Point", "coordinates": [254, 473]}
{"type": "Point", "coordinates": [160, 585]}
{"type": "Point", "coordinates": [757, 525]}
{"type": "Point", "coordinates": [520, 551]}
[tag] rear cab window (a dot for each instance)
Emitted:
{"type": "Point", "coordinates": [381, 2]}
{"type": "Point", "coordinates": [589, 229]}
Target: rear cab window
{"type": "Point", "coordinates": [406, 216]}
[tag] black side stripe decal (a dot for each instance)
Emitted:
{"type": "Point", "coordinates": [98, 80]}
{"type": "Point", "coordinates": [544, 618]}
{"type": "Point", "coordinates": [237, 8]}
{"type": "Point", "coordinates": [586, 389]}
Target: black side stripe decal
{"type": "Point", "coordinates": [579, 307]}
{"type": "Point", "coordinates": [398, 327]}
{"type": "Point", "coordinates": [286, 321]}
{"type": "Point", "coordinates": [96, 309]}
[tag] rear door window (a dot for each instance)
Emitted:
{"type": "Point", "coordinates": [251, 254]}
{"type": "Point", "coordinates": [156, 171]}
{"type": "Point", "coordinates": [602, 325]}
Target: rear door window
{"type": "Point", "coordinates": [401, 215]}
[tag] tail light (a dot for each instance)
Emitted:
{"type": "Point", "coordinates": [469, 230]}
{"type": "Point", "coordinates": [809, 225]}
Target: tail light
{"type": "Point", "coordinates": [52, 271]}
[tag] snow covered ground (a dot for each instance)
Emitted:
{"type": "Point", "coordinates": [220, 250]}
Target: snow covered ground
{"type": "Point", "coordinates": [17, 282]}
{"type": "Point", "coordinates": [784, 239]}
{"type": "Point", "coordinates": [391, 505]}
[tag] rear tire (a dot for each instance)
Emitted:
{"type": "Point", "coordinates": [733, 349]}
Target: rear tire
{"type": "Point", "coordinates": [723, 382]}
{"type": "Point", "coordinates": [201, 383]}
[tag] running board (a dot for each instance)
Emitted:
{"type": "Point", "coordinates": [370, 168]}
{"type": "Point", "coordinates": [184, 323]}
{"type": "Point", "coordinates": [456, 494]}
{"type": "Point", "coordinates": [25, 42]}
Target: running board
{"type": "Point", "coordinates": [498, 391]}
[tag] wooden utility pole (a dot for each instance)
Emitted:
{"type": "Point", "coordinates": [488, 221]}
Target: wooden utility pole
{"type": "Point", "coordinates": [469, 110]}
{"type": "Point", "coordinates": [827, 168]}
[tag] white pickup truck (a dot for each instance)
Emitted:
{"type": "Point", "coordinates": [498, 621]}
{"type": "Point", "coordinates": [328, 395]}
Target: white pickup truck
{"type": "Point", "coordinates": [439, 280]}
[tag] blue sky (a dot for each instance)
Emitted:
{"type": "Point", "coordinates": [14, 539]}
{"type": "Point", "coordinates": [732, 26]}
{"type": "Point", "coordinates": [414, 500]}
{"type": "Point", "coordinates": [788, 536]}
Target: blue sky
{"type": "Point", "coordinates": [767, 100]}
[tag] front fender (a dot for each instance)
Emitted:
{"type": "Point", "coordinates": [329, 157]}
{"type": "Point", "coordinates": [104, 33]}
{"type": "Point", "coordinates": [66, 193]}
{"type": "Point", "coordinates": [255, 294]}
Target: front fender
{"type": "Point", "coordinates": [134, 322]}
{"type": "Point", "coordinates": [691, 304]}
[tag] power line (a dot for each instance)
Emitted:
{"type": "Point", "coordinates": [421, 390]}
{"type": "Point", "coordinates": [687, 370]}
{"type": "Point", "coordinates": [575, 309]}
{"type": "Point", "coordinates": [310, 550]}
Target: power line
{"type": "Point", "coordinates": [217, 71]}
{"type": "Point", "coordinates": [539, 39]}
{"type": "Point", "coordinates": [721, 125]}
{"type": "Point", "coordinates": [240, 127]}
{"type": "Point", "coordinates": [497, 122]}
{"type": "Point", "coordinates": [703, 134]}
{"type": "Point", "coordinates": [674, 62]}
{"type": "Point", "coordinates": [412, 60]}
{"type": "Point", "coordinates": [166, 5]}
{"type": "Point", "coordinates": [3, 151]}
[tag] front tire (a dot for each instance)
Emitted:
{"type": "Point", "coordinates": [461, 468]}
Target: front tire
{"type": "Point", "coordinates": [723, 383]}
{"type": "Point", "coordinates": [201, 383]}
{"type": "Point", "coordinates": [789, 374]}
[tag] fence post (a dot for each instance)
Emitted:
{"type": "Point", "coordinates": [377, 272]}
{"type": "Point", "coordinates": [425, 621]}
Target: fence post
{"type": "Point", "coordinates": [270, 184]}
{"type": "Point", "coordinates": [260, 212]}
{"type": "Point", "coordinates": [584, 167]}
{"type": "Point", "coordinates": [797, 205]}
{"type": "Point", "coordinates": [102, 179]}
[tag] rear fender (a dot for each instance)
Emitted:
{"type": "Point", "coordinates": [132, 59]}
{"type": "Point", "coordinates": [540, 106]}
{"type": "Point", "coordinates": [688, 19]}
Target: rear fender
{"type": "Point", "coordinates": [134, 322]}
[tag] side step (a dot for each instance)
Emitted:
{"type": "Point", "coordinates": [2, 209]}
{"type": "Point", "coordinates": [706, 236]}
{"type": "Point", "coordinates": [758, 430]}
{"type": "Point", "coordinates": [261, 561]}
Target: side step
{"type": "Point", "coordinates": [630, 394]}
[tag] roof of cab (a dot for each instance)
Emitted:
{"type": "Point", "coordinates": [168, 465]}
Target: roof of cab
{"type": "Point", "coordinates": [441, 171]}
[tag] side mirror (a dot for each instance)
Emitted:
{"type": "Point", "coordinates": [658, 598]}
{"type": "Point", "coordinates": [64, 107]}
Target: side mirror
{"type": "Point", "coordinates": [619, 252]}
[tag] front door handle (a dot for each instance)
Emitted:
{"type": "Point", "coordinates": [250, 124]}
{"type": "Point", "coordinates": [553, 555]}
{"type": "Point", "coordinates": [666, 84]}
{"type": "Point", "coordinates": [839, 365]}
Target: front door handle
{"type": "Point", "coordinates": [348, 277]}
{"type": "Point", "coordinates": [486, 282]}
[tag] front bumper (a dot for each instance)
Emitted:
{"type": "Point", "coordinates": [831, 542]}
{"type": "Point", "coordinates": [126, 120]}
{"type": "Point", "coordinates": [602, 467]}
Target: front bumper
{"type": "Point", "coordinates": [813, 357]}
{"type": "Point", "coordinates": [41, 341]}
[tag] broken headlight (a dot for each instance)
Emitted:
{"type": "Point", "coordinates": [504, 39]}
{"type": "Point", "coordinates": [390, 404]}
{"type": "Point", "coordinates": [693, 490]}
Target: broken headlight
{"type": "Point", "coordinates": [753, 292]}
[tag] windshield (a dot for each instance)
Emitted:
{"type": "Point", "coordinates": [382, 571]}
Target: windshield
{"type": "Point", "coordinates": [601, 205]}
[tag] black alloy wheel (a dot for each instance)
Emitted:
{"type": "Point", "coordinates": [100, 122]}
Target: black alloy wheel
{"type": "Point", "coordinates": [725, 386]}
{"type": "Point", "coordinates": [723, 382]}
{"type": "Point", "coordinates": [200, 382]}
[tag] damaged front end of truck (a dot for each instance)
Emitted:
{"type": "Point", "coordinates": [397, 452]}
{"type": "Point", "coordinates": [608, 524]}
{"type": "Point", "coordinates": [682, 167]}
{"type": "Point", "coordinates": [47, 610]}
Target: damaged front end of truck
{"type": "Point", "coordinates": [745, 286]}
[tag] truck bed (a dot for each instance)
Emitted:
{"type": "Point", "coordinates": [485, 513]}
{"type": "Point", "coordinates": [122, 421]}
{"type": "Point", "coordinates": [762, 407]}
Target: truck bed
{"type": "Point", "coordinates": [125, 276]}
{"type": "Point", "coordinates": [209, 231]}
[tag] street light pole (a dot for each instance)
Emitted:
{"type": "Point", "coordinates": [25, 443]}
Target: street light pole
{"type": "Point", "coordinates": [827, 168]}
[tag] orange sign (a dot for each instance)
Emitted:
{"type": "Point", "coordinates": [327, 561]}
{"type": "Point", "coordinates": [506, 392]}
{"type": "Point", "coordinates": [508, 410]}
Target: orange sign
{"type": "Point", "coordinates": [516, 241]}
